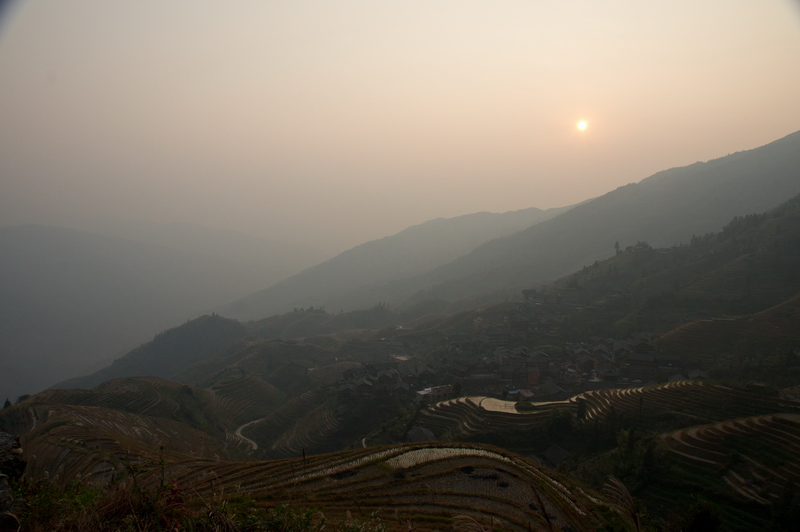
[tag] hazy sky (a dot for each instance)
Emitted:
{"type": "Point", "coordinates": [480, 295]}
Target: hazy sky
{"type": "Point", "coordinates": [336, 122]}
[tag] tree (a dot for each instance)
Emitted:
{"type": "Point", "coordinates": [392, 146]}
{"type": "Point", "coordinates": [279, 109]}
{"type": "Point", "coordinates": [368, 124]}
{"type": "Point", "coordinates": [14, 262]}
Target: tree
{"type": "Point", "coordinates": [23, 397]}
{"type": "Point", "coordinates": [616, 248]}
{"type": "Point", "coordinates": [7, 403]}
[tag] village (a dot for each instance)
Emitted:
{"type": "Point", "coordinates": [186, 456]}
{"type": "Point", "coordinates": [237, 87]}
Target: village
{"type": "Point", "coordinates": [495, 360]}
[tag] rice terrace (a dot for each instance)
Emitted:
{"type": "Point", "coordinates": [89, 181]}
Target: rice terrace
{"type": "Point", "coordinates": [554, 410]}
{"type": "Point", "coordinates": [400, 266]}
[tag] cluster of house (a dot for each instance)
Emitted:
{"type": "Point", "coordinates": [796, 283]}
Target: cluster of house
{"type": "Point", "coordinates": [531, 373]}
{"type": "Point", "coordinates": [535, 314]}
{"type": "Point", "coordinates": [403, 379]}
{"type": "Point", "coordinates": [519, 373]}
{"type": "Point", "coordinates": [597, 363]}
{"type": "Point", "coordinates": [634, 358]}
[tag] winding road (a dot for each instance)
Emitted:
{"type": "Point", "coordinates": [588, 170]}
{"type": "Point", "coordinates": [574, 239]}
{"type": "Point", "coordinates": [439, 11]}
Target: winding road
{"type": "Point", "coordinates": [238, 433]}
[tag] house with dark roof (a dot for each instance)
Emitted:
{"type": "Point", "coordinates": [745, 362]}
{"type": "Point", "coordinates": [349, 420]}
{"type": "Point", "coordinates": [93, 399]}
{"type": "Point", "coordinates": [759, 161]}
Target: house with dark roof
{"type": "Point", "coordinates": [642, 360]}
{"type": "Point", "coordinates": [459, 370]}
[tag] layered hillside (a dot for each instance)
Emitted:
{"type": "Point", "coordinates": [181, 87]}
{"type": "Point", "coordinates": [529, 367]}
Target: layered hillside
{"type": "Point", "coordinates": [759, 457]}
{"type": "Point", "coordinates": [99, 433]}
{"type": "Point", "coordinates": [215, 352]}
{"type": "Point", "coordinates": [765, 343]}
{"type": "Point", "coordinates": [748, 267]}
{"type": "Point", "coordinates": [355, 279]}
{"type": "Point", "coordinates": [664, 210]}
{"type": "Point", "coordinates": [684, 402]}
{"type": "Point", "coordinates": [151, 396]}
{"type": "Point", "coordinates": [100, 444]}
{"type": "Point", "coordinates": [744, 471]}
{"type": "Point", "coordinates": [429, 485]}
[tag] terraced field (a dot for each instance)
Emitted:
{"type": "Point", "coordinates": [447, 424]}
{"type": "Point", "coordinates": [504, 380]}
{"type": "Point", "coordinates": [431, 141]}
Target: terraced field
{"type": "Point", "coordinates": [152, 396]}
{"type": "Point", "coordinates": [725, 342]}
{"type": "Point", "coordinates": [300, 425]}
{"type": "Point", "coordinates": [426, 484]}
{"type": "Point", "coordinates": [695, 400]}
{"type": "Point", "coordinates": [64, 441]}
{"type": "Point", "coordinates": [756, 457]}
{"type": "Point", "coordinates": [245, 398]}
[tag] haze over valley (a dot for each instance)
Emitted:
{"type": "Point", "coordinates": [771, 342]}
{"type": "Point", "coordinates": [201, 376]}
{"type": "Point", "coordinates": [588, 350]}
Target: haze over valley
{"type": "Point", "coordinates": [444, 266]}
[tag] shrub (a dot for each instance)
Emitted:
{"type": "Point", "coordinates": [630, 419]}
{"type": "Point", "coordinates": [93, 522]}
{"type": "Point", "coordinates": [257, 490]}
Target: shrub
{"type": "Point", "coordinates": [525, 406]}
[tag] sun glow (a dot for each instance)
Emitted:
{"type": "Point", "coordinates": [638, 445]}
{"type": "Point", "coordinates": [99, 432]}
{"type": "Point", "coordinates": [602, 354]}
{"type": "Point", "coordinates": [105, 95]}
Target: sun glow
{"type": "Point", "coordinates": [582, 125]}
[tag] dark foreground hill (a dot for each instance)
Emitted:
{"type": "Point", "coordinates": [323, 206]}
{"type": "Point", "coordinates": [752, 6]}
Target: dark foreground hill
{"type": "Point", "coordinates": [428, 485]}
{"type": "Point", "coordinates": [216, 351]}
{"type": "Point", "coordinates": [738, 469]}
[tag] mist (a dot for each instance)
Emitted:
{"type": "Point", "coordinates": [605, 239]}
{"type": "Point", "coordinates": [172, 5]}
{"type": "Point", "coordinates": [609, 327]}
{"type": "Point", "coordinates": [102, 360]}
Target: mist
{"type": "Point", "coordinates": [331, 124]}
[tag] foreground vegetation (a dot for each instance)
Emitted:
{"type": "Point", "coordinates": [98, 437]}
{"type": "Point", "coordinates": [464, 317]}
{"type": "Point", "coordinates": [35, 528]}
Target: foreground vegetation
{"type": "Point", "coordinates": [411, 487]}
{"type": "Point", "coordinates": [79, 506]}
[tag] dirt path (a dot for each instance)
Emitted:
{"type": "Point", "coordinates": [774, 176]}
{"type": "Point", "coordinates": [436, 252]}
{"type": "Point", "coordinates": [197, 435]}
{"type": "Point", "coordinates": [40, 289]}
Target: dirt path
{"type": "Point", "coordinates": [238, 433]}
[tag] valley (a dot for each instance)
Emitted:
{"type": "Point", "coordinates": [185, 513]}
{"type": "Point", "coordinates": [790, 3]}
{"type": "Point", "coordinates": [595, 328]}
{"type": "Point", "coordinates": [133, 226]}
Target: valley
{"type": "Point", "coordinates": [644, 387]}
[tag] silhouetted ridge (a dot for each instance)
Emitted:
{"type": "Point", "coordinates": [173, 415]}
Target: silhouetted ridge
{"type": "Point", "coordinates": [169, 352]}
{"type": "Point", "coordinates": [354, 278]}
{"type": "Point", "coordinates": [665, 209]}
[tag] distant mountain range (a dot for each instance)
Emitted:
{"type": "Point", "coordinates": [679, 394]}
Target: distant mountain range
{"type": "Point", "coordinates": [300, 384]}
{"type": "Point", "coordinates": [71, 300]}
{"type": "Point", "coordinates": [751, 265]}
{"type": "Point", "coordinates": [357, 278]}
{"type": "Point", "coordinates": [664, 209]}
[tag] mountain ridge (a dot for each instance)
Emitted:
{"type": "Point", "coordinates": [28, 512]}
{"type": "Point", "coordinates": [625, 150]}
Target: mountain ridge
{"type": "Point", "coordinates": [664, 209]}
{"type": "Point", "coordinates": [751, 181]}
{"type": "Point", "coordinates": [337, 281]}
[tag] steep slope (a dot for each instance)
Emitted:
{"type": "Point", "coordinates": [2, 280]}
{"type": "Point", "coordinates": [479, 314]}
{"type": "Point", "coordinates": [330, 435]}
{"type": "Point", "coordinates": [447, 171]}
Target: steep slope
{"type": "Point", "coordinates": [483, 418]}
{"type": "Point", "coordinates": [764, 343]}
{"type": "Point", "coordinates": [100, 444]}
{"type": "Point", "coordinates": [664, 209]}
{"type": "Point", "coordinates": [202, 409]}
{"type": "Point", "coordinates": [347, 281]}
{"type": "Point", "coordinates": [758, 457]}
{"type": "Point", "coordinates": [170, 351]}
{"type": "Point", "coordinates": [230, 358]}
{"type": "Point", "coordinates": [750, 266]}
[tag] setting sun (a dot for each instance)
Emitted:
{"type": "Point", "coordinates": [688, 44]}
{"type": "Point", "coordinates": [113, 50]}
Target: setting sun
{"type": "Point", "coordinates": [582, 125]}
